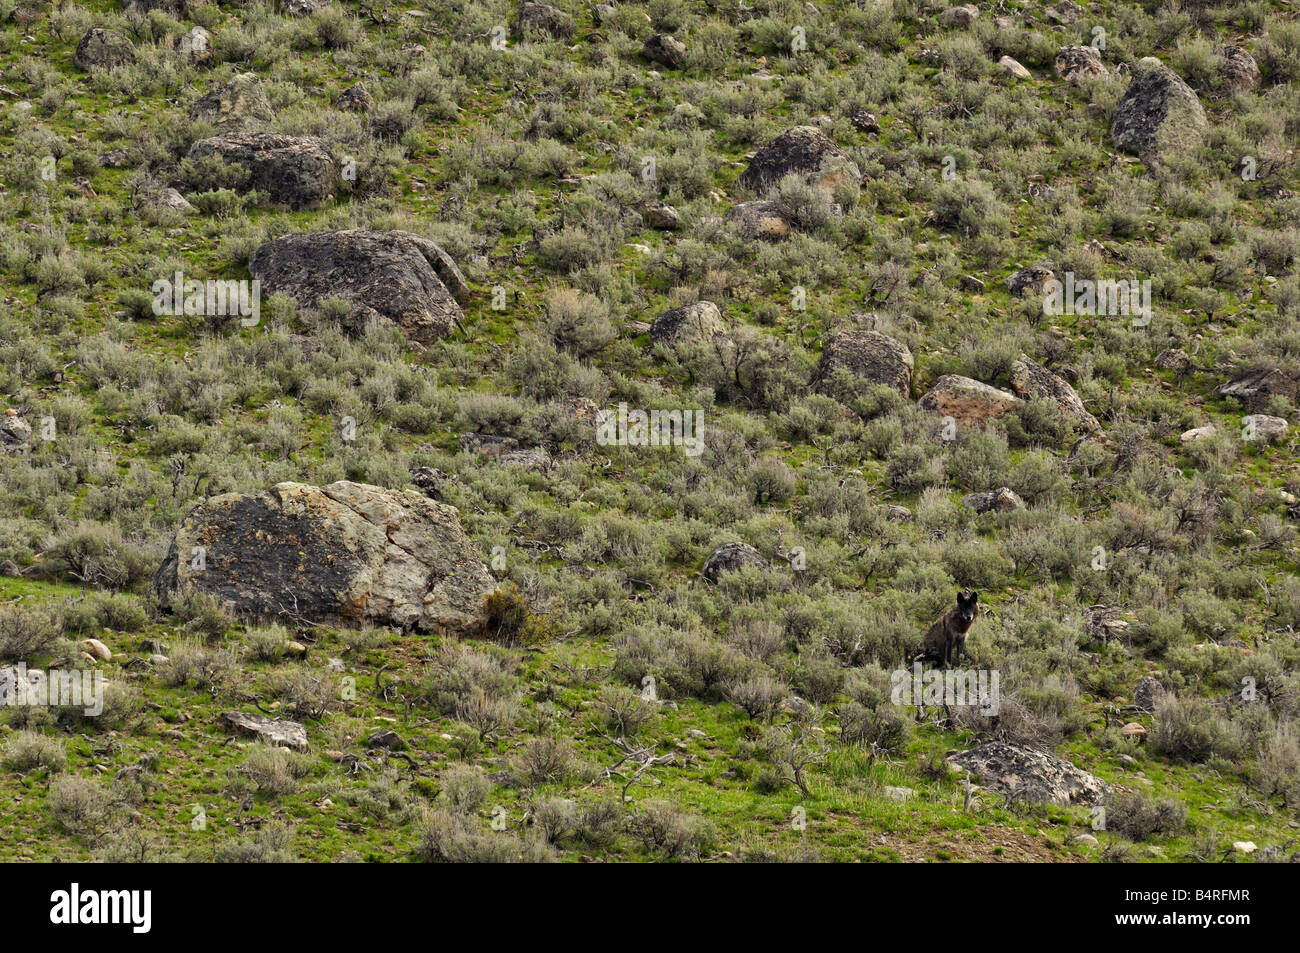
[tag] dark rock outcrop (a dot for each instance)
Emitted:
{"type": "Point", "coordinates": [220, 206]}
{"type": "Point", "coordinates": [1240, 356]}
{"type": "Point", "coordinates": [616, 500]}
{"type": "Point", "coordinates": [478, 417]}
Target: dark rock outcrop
{"type": "Point", "coordinates": [542, 19]}
{"type": "Point", "coordinates": [395, 278]}
{"type": "Point", "coordinates": [234, 104]}
{"type": "Point", "coordinates": [1034, 777]}
{"type": "Point", "coordinates": [102, 50]}
{"type": "Point", "coordinates": [870, 356]}
{"type": "Point", "coordinates": [346, 554]}
{"type": "Point", "coordinates": [802, 150]}
{"type": "Point", "coordinates": [731, 557]}
{"type": "Point", "coordinates": [701, 321]}
{"type": "Point", "coordinates": [666, 50]}
{"type": "Point", "coordinates": [295, 172]}
{"type": "Point", "coordinates": [1074, 64]}
{"type": "Point", "coordinates": [1158, 116]}
{"type": "Point", "coordinates": [1032, 381]}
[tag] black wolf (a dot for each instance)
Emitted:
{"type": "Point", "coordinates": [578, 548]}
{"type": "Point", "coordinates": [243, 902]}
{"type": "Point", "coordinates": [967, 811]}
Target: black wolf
{"type": "Point", "coordinates": [945, 641]}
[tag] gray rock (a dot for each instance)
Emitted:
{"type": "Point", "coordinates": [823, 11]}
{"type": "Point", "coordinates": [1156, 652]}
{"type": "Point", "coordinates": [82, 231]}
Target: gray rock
{"type": "Point", "coordinates": [356, 99]}
{"type": "Point", "coordinates": [1256, 390]}
{"type": "Point", "coordinates": [969, 402]}
{"type": "Point", "coordinates": [195, 46]}
{"type": "Point", "coordinates": [1065, 12]}
{"type": "Point", "coordinates": [899, 794]}
{"type": "Point", "coordinates": [665, 49]}
{"type": "Point", "coordinates": [169, 198]}
{"type": "Point", "coordinates": [1014, 68]}
{"type": "Point", "coordinates": [691, 323]}
{"type": "Point", "coordinates": [386, 739]}
{"type": "Point", "coordinates": [542, 19]}
{"type": "Point", "coordinates": [760, 220]}
{"type": "Point", "coordinates": [275, 731]}
{"type": "Point", "coordinates": [660, 215]}
{"type": "Point", "coordinates": [1001, 500]}
{"type": "Point", "coordinates": [961, 17]}
{"type": "Point", "coordinates": [1032, 776]}
{"type": "Point", "coordinates": [346, 554]}
{"type": "Point", "coordinates": [1030, 281]}
{"type": "Point", "coordinates": [296, 172]}
{"type": "Point", "coordinates": [237, 103]}
{"type": "Point", "coordinates": [1032, 381]}
{"type": "Point", "coordinates": [1074, 64]}
{"type": "Point", "coordinates": [804, 151]}
{"type": "Point", "coordinates": [730, 557]}
{"type": "Point", "coordinates": [101, 50]}
{"type": "Point", "coordinates": [1265, 428]}
{"type": "Point", "coordinates": [395, 278]}
{"type": "Point", "coordinates": [302, 8]}
{"type": "Point", "coordinates": [1174, 359]}
{"type": "Point", "coordinates": [1158, 116]}
{"type": "Point", "coordinates": [15, 433]}
{"type": "Point", "coordinates": [870, 356]}
{"type": "Point", "coordinates": [1147, 693]}
{"type": "Point", "coordinates": [1239, 72]}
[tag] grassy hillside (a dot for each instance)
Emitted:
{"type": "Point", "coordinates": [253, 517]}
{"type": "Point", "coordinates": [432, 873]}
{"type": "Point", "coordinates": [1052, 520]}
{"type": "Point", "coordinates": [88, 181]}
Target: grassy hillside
{"type": "Point", "coordinates": [771, 733]}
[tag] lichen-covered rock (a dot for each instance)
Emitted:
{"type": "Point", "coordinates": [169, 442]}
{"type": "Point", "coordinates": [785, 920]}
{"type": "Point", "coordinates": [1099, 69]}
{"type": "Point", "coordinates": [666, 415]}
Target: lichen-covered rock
{"type": "Point", "coordinates": [15, 433]}
{"type": "Point", "coordinates": [1032, 381]}
{"type": "Point", "coordinates": [102, 50]}
{"type": "Point", "coordinates": [1239, 73]}
{"type": "Point", "coordinates": [961, 17]}
{"type": "Point", "coordinates": [1147, 693]}
{"type": "Point", "coordinates": [356, 99]}
{"type": "Point", "coordinates": [195, 46]}
{"type": "Point", "coordinates": [1264, 428]}
{"type": "Point", "coordinates": [969, 402]}
{"type": "Point", "coordinates": [666, 50]}
{"type": "Point", "coordinates": [760, 220]}
{"type": "Point", "coordinates": [1074, 64]}
{"type": "Point", "coordinates": [701, 321]}
{"type": "Point", "coordinates": [279, 732]}
{"type": "Point", "coordinates": [542, 19]}
{"type": "Point", "coordinates": [302, 8]}
{"type": "Point", "coordinates": [1001, 500]}
{"type": "Point", "coordinates": [660, 215]}
{"type": "Point", "coordinates": [396, 278]}
{"type": "Point", "coordinates": [233, 104]}
{"type": "Point", "coordinates": [1158, 116]}
{"type": "Point", "coordinates": [1030, 281]}
{"type": "Point", "coordinates": [871, 357]}
{"type": "Point", "coordinates": [731, 557]}
{"type": "Point", "coordinates": [805, 151]}
{"type": "Point", "coordinates": [1030, 776]}
{"type": "Point", "coordinates": [1256, 390]}
{"type": "Point", "coordinates": [295, 172]}
{"type": "Point", "coordinates": [1014, 68]}
{"type": "Point", "coordinates": [345, 554]}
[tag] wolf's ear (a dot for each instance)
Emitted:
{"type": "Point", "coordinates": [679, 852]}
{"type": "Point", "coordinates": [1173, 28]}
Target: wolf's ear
{"type": "Point", "coordinates": [974, 597]}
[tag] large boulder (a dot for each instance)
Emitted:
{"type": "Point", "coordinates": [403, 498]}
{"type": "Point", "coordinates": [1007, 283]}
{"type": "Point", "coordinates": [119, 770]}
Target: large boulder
{"type": "Point", "coordinates": [870, 356]}
{"type": "Point", "coordinates": [1158, 116]}
{"type": "Point", "coordinates": [346, 554]}
{"type": "Point", "coordinates": [1002, 500]}
{"type": "Point", "coordinates": [1239, 72]}
{"type": "Point", "coordinates": [969, 402]}
{"type": "Point", "coordinates": [961, 17]}
{"type": "Point", "coordinates": [195, 46]}
{"type": "Point", "coordinates": [295, 172]}
{"type": "Point", "coordinates": [1256, 390]}
{"type": "Point", "coordinates": [1074, 64]}
{"type": "Point", "coordinates": [732, 557]}
{"type": "Point", "coordinates": [15, 433]}
{"type": "Point", "coordinates": [279, 732]}
{"type": "Point", "coordinates": [805, 151]}
{"type": "Point", "coordinates": [395, 278]}
{"type": "Point", "coordinates": [1032, 381]}
{"type": "Point", "coordinates": [356, 99]}
{"type": "Point", "coordinates": [103, 49]}
{"type": "Point", "coordinates": [1031, 776]}
{"type": "Point", "coordinates": [1264, 428]}
{"type": "Point", "coordinates": [542, 19]}
{"type": "Point", "coordinates": [689, 324]}
{"type": "Point", "coordinates": [1031, 281]}
{"type": "Point", "coordinates": [234, 104]}
{"type": "Point", "coordinates": [666, 50]}
{"type": "Point", "coordinates": [763, 220]}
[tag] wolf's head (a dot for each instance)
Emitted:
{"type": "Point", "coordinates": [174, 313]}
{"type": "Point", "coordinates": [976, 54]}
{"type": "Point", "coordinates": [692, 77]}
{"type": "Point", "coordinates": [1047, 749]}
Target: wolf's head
{"type": "Point", "coordinates": [966, 609]}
